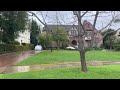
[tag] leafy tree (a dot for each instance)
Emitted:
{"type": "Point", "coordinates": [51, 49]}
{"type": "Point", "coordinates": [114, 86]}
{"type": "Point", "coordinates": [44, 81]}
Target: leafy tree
{"type": "Point", "coordinates": [13, 22]}
{"type": "Point", "coordinates": [117, 44]}
{"type": "Point", "coordinates": [45, 40]}
{"type": "Point", "coordinates": [108, 40]}
{"type": "Point", "coordinates": [59, 35]}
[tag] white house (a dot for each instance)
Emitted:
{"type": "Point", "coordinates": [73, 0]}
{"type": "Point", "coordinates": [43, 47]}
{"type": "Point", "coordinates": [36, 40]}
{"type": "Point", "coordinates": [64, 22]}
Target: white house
{"type": "Point", "coordinates": [24, 37]}
{"type": "Point", "coordinates": [117, 34]}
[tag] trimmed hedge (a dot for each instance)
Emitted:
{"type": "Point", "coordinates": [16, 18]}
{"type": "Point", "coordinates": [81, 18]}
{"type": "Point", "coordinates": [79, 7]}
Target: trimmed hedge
{"type": "Point", "coordinates": [6, 48]}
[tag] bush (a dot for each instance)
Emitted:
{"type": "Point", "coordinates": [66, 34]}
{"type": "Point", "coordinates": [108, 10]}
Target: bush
{"type": "Point", "coordinates": [117, 45]}
{"type": "Point", "coordinates": [102, 46]}
{"type": "Point", "coordinates": [5, 48]}
{"type": "Point", "coordinates": [96, 48]}
{"type": "Point", "coordinates": [24, 44]}
{"type": "Point", "coordinates": [14, 42]}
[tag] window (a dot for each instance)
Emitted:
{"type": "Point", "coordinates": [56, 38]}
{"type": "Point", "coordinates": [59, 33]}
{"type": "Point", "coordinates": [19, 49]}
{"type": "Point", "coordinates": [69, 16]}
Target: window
{"type": "Point", "coordinates": [88, 33]}
{"type": "Point", "coordinates": [73, 32]}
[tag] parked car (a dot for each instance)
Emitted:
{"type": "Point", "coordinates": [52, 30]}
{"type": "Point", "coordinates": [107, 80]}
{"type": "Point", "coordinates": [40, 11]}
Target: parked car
{"type": "Point", "coordinates": [72, 48]}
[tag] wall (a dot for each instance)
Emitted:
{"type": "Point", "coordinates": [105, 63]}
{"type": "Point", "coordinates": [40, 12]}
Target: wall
{"type": "Point", "coordinates": [117, 33]}
{"type": "Point", "coordinates": [25, 37]}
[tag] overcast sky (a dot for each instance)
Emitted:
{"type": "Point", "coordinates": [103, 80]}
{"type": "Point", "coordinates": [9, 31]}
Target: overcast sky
{"type": "Point", "coordinates": [67, 18]}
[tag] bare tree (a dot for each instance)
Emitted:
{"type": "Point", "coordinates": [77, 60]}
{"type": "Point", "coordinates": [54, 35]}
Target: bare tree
{"type": "Point", "coordinates": [81, 33]}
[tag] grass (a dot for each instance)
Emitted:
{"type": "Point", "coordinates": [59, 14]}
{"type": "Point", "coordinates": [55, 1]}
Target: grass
{"type": "Point", "coordinates": [69, 56]}
{"type": "Point", "coordinates": [95, 72]}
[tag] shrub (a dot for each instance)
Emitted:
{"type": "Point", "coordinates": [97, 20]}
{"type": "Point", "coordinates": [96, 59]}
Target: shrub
{"type": "Point", "coordinates": [96, 48]}
{"type": "Point", "coordinates": [5, 48]}
{"type": "Point", "coordinates": [117, 45]}
{"type": "Point", "coordinates": [24, 44]}
{"type": "Point", "coordinates": [14, 42]}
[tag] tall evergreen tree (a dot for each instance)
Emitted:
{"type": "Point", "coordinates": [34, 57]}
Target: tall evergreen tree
{"type": "Point", "coordinates": [34, 32]}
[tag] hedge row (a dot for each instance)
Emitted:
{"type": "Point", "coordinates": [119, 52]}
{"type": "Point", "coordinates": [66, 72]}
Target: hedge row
{"type": "Point", "coordinates": [5, 48]}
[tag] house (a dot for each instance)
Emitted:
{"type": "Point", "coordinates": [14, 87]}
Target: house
{"type": "Point", "coordinates": [117, 34]}
{"type": "Point", "coordinates": [73, 33]}
{"type": "Point", "coordinates": [24, 37]}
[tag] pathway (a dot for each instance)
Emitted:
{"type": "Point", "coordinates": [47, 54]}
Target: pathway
{"type": "Point", "coordinates": [15, 57]}
{"type": "Point", "coordinates": [9, 59]}
{"type": "Point", "coordinates": [14, 69]}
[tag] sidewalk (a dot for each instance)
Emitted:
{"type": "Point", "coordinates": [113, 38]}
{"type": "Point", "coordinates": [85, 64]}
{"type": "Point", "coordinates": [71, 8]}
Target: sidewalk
{"type": "Point", "coordinates": [15, 57]}
{"type": "Point", "coordinates": [15, 69]}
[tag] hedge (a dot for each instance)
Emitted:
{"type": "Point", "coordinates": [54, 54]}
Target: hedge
{"type": "Point", "coordinates": [6, 48]}
{"type": "Point", "coordinates": [117, 46]}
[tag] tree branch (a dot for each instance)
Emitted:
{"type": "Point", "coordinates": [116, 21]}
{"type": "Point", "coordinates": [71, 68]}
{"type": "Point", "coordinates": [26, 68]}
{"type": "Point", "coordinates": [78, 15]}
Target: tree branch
{"type": "Point", "coordinates": [113, 18]}
{"type": "Point", "coordinates": [93, 28]}
{"type": "Point", "coordinates": [84, 14]}
{"type": "Point", "coordinates": [106, 34]}
{"type": "Point", "coordinates": [37, 18]}
{"type": "Point", "coordinates": [107, 24]}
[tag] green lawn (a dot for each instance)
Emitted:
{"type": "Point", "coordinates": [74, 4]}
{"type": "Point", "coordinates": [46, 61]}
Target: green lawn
{"type": "Point", "coordinates": [95, 72]}
{"type": "Point", "coordinates": [68, 56]}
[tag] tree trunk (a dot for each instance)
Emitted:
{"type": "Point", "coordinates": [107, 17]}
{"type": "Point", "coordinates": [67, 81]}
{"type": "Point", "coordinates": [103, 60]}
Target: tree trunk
{"type": "Point", "coordinates": [58, 45]}
{"type": "Point", "coordinates": [51, 48]}
{"type": "Point", "coordinates": [83, 62]}
{"type": "Point", "coordinates": [81, 44]}
{"type": "Point", "coordinates": [110, 44]}
{"type": "Point", "coordinates": [110, 47]}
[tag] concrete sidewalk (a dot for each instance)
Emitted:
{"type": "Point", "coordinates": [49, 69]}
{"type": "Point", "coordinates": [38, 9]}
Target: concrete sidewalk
{"type": "Point", "coordinates": [15, 57]}
{"type": "Point", "coordinates": [15, 69]}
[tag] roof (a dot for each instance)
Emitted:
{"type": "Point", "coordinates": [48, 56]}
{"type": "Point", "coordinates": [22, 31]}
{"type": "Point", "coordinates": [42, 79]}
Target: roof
{"type": "Point", "coordinates": [87, 26]}
{"type": "Point", "coordinates": [65, 27]}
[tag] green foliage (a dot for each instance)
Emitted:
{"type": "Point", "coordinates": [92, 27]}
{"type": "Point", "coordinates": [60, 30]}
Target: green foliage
{"type": "Point", "coordinates": [24, 44]}
{"type": "Point", "coordinates": [117, 44]}
{"type": "Point", "coordinates": [96, 48]}
{"type": "Point", "coordinates": [60, 36]}
{"type": "Point", "coordinates": [34, 33]}
{"type": "Point", "coordinates": [14, 42]}
{"type": "Point", "coordinates": [23, 48]}
{"type": "Point", "coordinates": [108, 40]}
{"type": "Point", "coordinates": [12, 22]}
{"type": "Point", "coordinates": [5, 48]}
{"type": "Point", "coordinates": [45, 39]}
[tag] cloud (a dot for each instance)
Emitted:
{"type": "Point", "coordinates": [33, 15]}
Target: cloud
{"type": "Point", "coordinates": [67, 17]}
